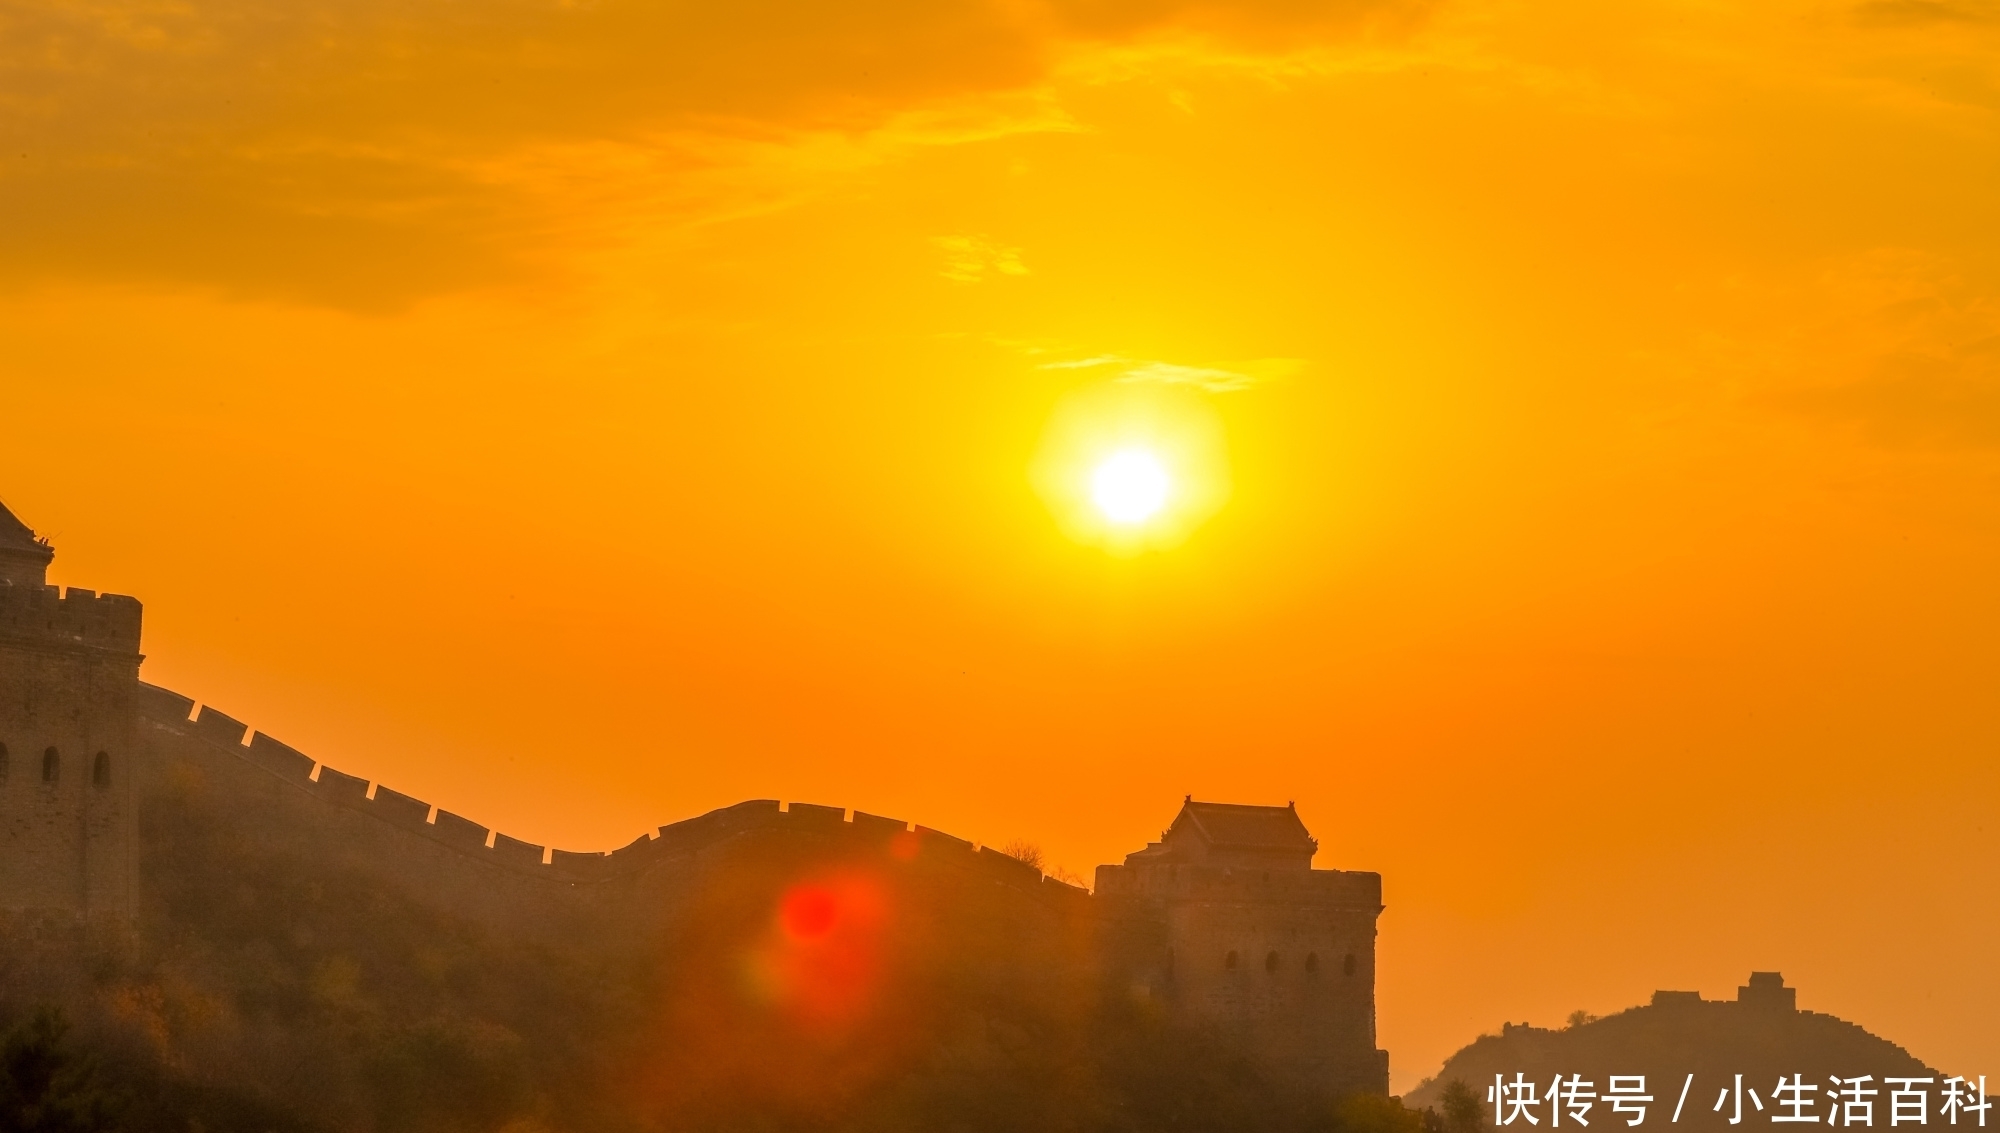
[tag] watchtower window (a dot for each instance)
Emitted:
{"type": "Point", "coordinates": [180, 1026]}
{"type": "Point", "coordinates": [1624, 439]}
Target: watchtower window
{"type": "Point", "coordinates": [1229, 961]}
{"type": "Point", "coordinates": [51, 765]}
{"type": "Point", "coordinates": [3, 761]}
{"type": "Point", "coordinates": [100, 769]}
{"type": "Point", "coordinates": [1312, 962]}
{"type": "Point", "coordinates": [1347, 965]}
{"type": "Point", "coordinates": [1271, 962]}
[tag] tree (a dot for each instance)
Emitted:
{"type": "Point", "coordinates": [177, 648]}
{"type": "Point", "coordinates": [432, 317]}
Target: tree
{"type": "Point", "coordinates": [1462, 1111]}
{"type": "Point", "coordinates": [45, 1087]}
{"type": "Point", "coordinates": [1372, 1113]}
{"type": "Point", "coordinates": [1024, 851]}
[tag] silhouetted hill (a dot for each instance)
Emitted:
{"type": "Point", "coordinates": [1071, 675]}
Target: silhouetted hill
{"type": "Point", "coordinates": [1760, 1035]}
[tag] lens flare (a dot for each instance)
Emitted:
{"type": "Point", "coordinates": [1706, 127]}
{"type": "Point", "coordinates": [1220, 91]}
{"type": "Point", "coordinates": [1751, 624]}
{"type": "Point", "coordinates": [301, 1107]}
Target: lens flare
{"type": "Point", "coordinates": [1130, 486]}
{"type": "Point", "coordinates": [808, 911]}
{"type": "Point", "coordinates": [821, 961]}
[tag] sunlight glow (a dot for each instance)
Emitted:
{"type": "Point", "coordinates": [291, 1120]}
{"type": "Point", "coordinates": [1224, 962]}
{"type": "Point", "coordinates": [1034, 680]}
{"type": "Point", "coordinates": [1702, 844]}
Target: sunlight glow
{"type": "Point", "coordinates": [1132, 468]}
{"type": "Point", "coordinates": [1130, 486]}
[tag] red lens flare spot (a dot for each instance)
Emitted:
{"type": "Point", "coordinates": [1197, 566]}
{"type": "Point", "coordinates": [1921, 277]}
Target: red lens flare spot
{"type": "Point", "coordinates": [903, 847]}
{"type": "Point", "coordinates": [809, 911]}
{"type": "Point", "coordinates": [822, 959]}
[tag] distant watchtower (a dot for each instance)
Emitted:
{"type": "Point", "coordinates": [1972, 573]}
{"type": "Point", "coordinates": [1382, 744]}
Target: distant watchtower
{"type": "Point", "coordinates": [1225, 920]}
{"type": "Point", "coordinates": [69, 672]}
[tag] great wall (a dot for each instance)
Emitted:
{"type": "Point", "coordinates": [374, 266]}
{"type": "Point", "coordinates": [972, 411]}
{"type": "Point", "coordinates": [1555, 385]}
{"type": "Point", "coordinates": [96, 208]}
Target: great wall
{"type": "Point", "coordinates": [1223, 923]}
{"type": "Point", "coordinates": [455, 862]}
{"type": "Point", "coordinates": [176, 715]}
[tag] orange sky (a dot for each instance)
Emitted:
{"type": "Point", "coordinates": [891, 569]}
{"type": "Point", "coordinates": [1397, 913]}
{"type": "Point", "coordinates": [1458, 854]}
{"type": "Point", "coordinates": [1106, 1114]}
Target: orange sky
{"type": "Point", "coordinates": [585, 413]}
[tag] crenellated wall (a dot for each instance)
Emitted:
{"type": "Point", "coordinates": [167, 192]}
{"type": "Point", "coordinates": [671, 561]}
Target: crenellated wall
{"type": "Point", "coordinates": [282, 798]}
{"type": "Point", "coordinates": [1299, 996]}
{"type": "Point", "coordinates": [107, 784]}
{"type": "Point", "coordinates": [77, 619]}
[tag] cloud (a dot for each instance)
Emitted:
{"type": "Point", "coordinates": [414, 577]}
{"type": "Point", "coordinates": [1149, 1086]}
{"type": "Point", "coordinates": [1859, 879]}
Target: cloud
{"type": "Point", "coordinates": [1909, 13]}
{"type": "Point", "coordinates": [1915, 402]}
{"type": "Point", "coordinates": [1200, 377]}
{"type": "Point", "coordinates": [342, 149]}
{"type": "Point", "coordinates": [968, 259]}
{"type": "Point", "coordinates": [1209, 379]}
{"type": "Point", "coordinates": [1901, 347]}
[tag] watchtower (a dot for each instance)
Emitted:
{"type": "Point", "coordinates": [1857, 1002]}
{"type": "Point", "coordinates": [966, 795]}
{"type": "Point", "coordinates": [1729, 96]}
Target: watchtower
{"type": "Point", "coordinates": [69, 674]}
{"type": "Point", "coordinates": [1226, 922]}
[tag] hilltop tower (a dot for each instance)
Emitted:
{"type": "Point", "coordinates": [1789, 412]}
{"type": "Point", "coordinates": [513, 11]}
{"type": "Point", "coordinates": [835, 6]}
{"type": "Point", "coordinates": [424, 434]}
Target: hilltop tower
{"type": "Point", "coordinates": [1225, 921]}
{"type": "Point", "coordinates": [69, 676]}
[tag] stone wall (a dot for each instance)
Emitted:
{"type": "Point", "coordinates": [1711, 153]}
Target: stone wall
{"type": "Point", "coordinates": [99, 767]}
{"type": "Point", "coordinates": [284, 800]}
{"type": "Point", "coordinates": [68, 674]}
{"type": "Point", "coordinates": [1280, 962]}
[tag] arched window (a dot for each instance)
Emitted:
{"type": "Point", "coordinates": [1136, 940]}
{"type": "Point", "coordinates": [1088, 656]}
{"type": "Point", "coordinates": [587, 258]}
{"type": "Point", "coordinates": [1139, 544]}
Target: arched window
{"type": "Point", "coordinates": [1229, 961]}
{"type": "Point", "coordinates": [1271, 962]}
{"type": "Point", "coordinates": [1347, 965]}
{"type": "Point", "coordinates": [3, 761]}
{"type": "Point", "coordinates": [100, 769]}
{"type": "Point", "coordinates": [1312, 962]}
{"type": "Point", "coordinates": [51, 765]}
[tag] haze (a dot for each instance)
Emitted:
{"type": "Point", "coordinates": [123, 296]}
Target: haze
{"type": "Point", "coordinates": [585, 414]}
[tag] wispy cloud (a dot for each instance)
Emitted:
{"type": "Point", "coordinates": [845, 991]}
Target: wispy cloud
{"type": "Point", "coordinates": [367, 153]}
{"type": "Point", "coordinates": [970, 259]}
{"type": "Point", "coordinates": [1209, 379]}
{"type": "Point", "coordinates": [1898, 343]}
{"type": "Point", "coordinates": [1908, 13]}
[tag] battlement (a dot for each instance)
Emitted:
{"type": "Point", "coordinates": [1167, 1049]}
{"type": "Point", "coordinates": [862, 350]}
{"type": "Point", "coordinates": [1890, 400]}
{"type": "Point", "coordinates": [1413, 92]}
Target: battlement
{"type": "Point", "coordinates": [570, 868]}
{"type": "Point", "coordinates": [78, 620]}
{"type": "Point", "coordinates": [1329, 887]}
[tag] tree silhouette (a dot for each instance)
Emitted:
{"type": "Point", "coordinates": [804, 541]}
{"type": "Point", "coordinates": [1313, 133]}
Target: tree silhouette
{"type": "Point", "coordinates": [1462, 1111]}
{"type": "Point", "coordinates": [47, 1088]}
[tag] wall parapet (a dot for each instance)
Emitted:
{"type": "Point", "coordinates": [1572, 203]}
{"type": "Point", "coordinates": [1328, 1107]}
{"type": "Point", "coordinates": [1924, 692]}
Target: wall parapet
{"type": "Point", "coordinates": [1332, 887]}
{"type": "Point", "coordinates": [682, 839]}
{"type": "Point", "coordinates": [76, 620]}
{"type": "Point", "coordinates": [281, 760]}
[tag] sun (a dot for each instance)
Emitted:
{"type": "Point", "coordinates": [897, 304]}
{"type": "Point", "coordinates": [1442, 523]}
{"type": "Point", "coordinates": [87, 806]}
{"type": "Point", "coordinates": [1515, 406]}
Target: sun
{"type": "Point", "coordinates": [1132, 468]}
{"type": "Point", "coordinates": [1130, 486]}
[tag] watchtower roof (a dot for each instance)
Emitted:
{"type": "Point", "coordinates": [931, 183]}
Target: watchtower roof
{"type": "Point", "coordinates": [24, 558]}
{"type": "Point", "coordinates": [1238, 826]}
{"type": "Point", "coordinates": [16, 536]}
